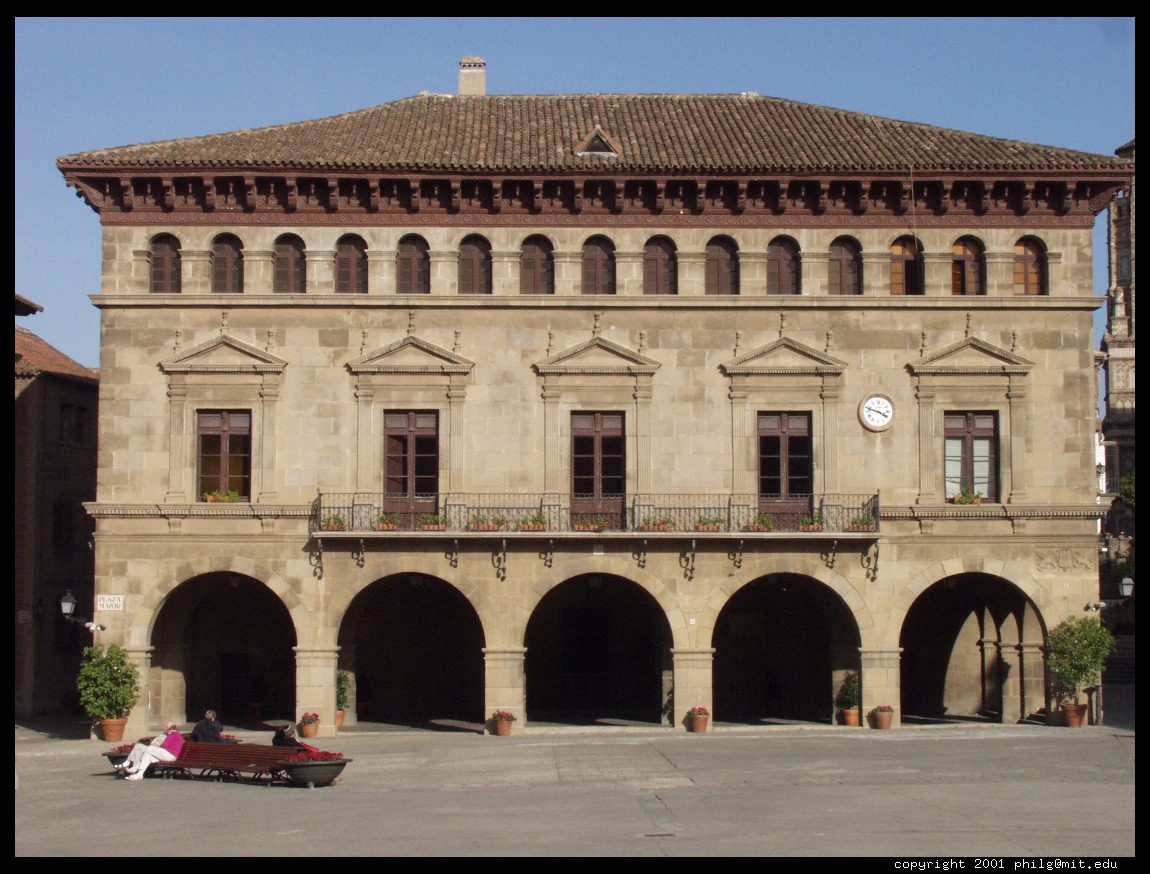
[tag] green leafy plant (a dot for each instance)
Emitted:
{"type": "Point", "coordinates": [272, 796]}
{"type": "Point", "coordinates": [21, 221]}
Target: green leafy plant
{"type": "Point", "coordinates": [1126, 490]}
{"type": "Point", "coordinates": [849, 694]}
{"type": "Point", "coordinates": [882, 708]}
{"type": "Point", "coordinates": [592, 523]}
{"type": "Point", "coordinates": [815, 519]}
{"type": "Point", "coordinates": [432, 519]}
{"type": "Point", "coordinates": [387, 519]}
{"type": "Point", "coordinates": [230, 496]}
{"type": "Point", "coordinates": [967, 496]}
{"type": "Point", "coordinates": [657, 521]}
{"type": "Point", "coordinates": [709, 521]}
{"type": "Point", "coordinates": [309, 719]}
{"type": "Point", "coordinates": [864, 521]}
{"type": "Point", "coordinates": [335, 522]}
{"type": "Point", "coordinates": [1076, 651]}
{"type": "Point", "coordinates": [762, 522]}
{"type": "Point", "coordinates": [342, 689]}
{"type": "Point", "coordinates": [108, 683]}
{"type": "Point", "coordinates": [535, 520]}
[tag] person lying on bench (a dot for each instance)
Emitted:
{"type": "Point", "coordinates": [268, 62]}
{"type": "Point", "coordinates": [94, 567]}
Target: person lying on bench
{"type": "Point", "coordinates": [209, 730]}
{"type": "Point", "coordinates": [164, 747]}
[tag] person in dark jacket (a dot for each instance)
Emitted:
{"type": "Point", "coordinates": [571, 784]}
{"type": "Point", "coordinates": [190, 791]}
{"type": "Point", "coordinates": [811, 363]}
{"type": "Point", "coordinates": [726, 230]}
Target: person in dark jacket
{"type": "Point", "coordinates": [209, 730]}
{"type": "Point", "coordinates": [285, 737]}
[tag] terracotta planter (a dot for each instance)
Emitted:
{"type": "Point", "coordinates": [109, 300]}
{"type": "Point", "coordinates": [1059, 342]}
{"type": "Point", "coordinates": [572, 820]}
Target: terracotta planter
{"type": "Point", "coordinates": [113, 729]}
{"type": "Point", "coordinates": [697, 724]}
{"type": "Point", "coordinates": [385, 526]}
{"type": "Point", "coordinates": [849, 717]}
{"type": "Point", "coordinates": [882, 719]}
{"type": "Point", "coordinates": [656, 528]}
{"type": "Point", "coordinates": [810, 527]}
{"type": "Point", "coordinates": [308, 729]}
{"type": "Point", "coordinates": [532, 527]}
{"type": "Point", "coordinates": [340, 715]}
{"type": "Point", "coordinates": [503, 727]}
{"type": "Point", "coordinates": [1074, 715]}
{"type": "Point", "coordinates": [312, 774]}
{"type": "Point", "coordinates": [484, 527]}
{"type": "Point", "coordinates": [706, 527]}
{"type": "Point", "coordinates": [433, 527]}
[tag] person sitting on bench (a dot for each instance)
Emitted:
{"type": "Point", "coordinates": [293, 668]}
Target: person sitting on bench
{"type": "Point", "coordinates": [209, 730]}
{"type": "Point", "coordinates": [164, 747]}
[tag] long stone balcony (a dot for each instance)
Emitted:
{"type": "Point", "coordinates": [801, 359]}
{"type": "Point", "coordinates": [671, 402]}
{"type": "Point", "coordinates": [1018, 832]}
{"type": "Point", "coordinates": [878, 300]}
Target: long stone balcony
{"type": "Point", "coordinates": [336, 514]}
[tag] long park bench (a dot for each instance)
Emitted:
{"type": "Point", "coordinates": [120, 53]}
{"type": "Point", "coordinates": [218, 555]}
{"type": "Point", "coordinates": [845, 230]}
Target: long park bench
{"type": "Point", "coordinates": [238, 762]}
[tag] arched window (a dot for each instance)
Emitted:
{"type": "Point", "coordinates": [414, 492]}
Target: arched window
{"type": "Point", "coordinates": [783, 275]}
{"type": "Point", "coordinates": [844, 264]}
{"type": "Point", "coordinates": [164, 253]}
{"type": "Point", "coordinates": [227, 265]}
{"type": "Point", "coordinates": [536, 267]}
{"type": "Point", "coordinates": [660, 267]}
{"type": "Point", "coordinates": [1029, 267]}
{"type": "Point", "coordinates": [906, 266]}
{"type": "Point", "coordinates": [474, 266]}
{"type": "Point", "coordinates": [290, 275]}
{"type": "Point", "coordinates": [598, 266]}
{"type": "Point", "coordinates": [722, 266]}
{"type": "Point", "coordinates": [413, 266]}
{"type": "Point", "coordinates": [350, 265]}
{"type": "Point", "coordinates": [967, 267]}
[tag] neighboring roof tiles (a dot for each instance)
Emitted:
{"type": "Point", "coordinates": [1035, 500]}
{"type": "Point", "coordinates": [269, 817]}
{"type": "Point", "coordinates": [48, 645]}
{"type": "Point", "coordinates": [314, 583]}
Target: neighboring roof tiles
{"type": "Point", "coordinates": [655, 132]}
{"type": "Point", "coordinates": [35, 357]}
{"type": "Point", "coordinates": [25, 307]}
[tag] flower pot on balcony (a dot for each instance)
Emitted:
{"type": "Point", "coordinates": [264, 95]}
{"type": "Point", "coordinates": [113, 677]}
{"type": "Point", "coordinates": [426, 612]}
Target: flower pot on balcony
{"type": "Point", "coordinates": [530, 527]}
{"type": "Point", "coordinates": [706, 527]}
{"type": "Point", "coordinates": [433, 527]}
{"type": "Point", "coordinates": [386, 526]}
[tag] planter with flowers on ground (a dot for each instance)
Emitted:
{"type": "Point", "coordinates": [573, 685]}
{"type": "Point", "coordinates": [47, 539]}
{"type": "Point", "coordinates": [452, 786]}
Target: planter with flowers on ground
{"type": "Point", "coordinates": [310, 769]}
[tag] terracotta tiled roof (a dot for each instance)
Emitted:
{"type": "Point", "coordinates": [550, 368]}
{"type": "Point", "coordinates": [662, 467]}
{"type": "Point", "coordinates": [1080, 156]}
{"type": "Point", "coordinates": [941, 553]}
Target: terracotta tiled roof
{"type": "Point", "coordinates": [25, 307]}
{"type": "Point", "coordinates": [35, 357]}
{"type": "Point", "coordinates": [656, 132]}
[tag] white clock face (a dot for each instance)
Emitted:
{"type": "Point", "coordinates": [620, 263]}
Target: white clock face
{"type": "Point", "coordinates": [876, 412]}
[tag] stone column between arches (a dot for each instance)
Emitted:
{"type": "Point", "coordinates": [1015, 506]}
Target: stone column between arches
{"type": "Point", "coordinates": [693, 682]}
{"type": "Point", "coordinates": [140, 717]}
{"type": "Point", "coordinates": [315, 685]}
{"type": "Point", "coordinates": [505, 686]}
{"type": "Point", "coordinates": [882, 681]}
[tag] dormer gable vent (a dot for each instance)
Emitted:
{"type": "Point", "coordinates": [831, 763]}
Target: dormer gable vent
{"type": "Point", "coordinates": [598, 144]}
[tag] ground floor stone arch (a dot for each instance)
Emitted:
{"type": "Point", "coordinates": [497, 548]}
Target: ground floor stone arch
{"type": "Point", "coordinates": [223, 641]}
{"type": "Point", "coordinates": [598, 649]}
{"type": "Point", "coordinates": [972, 648]}
{"type": "Point", "coordinates": [782, 644]}
{"type": "Point", "coordinates": [413, 646]}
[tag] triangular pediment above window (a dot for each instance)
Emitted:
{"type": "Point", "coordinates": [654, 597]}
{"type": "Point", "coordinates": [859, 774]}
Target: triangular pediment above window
{"type": "Point", "coordinates": [783, 357]}
{"type": "Point", "coordinates": [597, 356]}
{"type": "Point", "coordinates": [970, 357]}
{"type": "Point", "coordinates": [411, 355]}
{"type": "Point", "coordinates": [598, 144]}
{"type": "Point", "coordinates": [224, 354]}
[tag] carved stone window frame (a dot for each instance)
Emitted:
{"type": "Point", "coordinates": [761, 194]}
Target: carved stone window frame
{"type": "Point", "coordinates": [223, 373]}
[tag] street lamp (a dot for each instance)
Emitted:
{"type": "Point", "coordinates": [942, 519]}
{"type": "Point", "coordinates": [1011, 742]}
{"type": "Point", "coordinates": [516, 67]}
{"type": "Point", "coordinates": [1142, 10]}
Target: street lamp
{"type": "Point", "coordinates": [1126, 587]}
{"type": "Point", "coordinates": [68, 607]}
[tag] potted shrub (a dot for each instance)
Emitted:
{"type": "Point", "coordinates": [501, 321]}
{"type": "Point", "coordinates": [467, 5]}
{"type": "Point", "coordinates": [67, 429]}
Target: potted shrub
{"type": "Point", "coordinates": [1076, 651]}
{"type": "Point", "coordinates": [534, 522]}
{"type": "Point", "coordinates": [848, 699]}
{"type": "Point", "coordinates": [501, 720]}
{"type": "Point", "coordinates": [813, 522]}
{"type": "Point", "coordinates": [480, 522]}
{"type": "Point", "coordinates": [762, 522]}
{"type": "Point", "coordinates": [432, 522]}
{"type": "Point", "coordinates": [342, 689]}
{"type": "Point", "coordinates": [107, 685]}
{"type": "Point", "coordinates": [881, 716]}
{"type": "Point", "coordinates": [335, 522]}
{"type": "Point", "coordinates": [864, 522]}
{"type": "Point", "coordinates": [591, 523]}
{"type": "Point", "coordinates": [657, 523]}
{"type": "Point", "coordinates": [387, 521]}
{"type": "Point", "coordinates": [222, 497]}
{"type": "Point", "coordinates": [697, 719]}
{"type": "Point", "coordinates": [709, 523]}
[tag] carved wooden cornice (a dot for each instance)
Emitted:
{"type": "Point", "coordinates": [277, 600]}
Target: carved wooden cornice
{"type": "Point", "coordinates": [987, 511]}
{"type": "Point", "coordinates": [874, 199]}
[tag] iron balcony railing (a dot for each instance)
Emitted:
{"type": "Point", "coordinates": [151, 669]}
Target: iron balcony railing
{"type": "Point", "coordinates": [520, 513]}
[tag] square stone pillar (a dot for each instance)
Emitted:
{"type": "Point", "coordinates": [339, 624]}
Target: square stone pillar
{"type": "Point", "coordinates": [882, 681]}
{"type": "Point", "coordinates": [259, 271]}
{"type": "Point", "coordinates": [505, 686]}
{"type": "Point", "coordinates": [315, 685]}
{"type": "Point", "coordinates": [693, 683]}
{"type": "Point", "coordinates": [140, 718]}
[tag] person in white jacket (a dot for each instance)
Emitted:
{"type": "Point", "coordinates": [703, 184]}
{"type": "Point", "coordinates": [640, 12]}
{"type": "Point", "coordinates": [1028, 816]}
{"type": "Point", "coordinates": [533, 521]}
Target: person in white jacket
{"type": "Point", "coordinates": [164, 747]}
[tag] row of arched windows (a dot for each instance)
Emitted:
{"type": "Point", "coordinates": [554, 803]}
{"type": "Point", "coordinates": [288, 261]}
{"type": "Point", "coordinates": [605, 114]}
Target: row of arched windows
{"type": "Point", "coordinates": [660, 266]}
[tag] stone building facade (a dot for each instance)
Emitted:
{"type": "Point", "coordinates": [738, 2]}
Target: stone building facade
{"type": "Point", "coordinates": [595, 408]}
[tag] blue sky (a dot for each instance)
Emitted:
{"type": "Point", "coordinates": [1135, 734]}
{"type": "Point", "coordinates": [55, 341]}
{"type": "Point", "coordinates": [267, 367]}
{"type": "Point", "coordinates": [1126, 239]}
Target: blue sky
{"type": "Point", "coordinates": [89, 83]}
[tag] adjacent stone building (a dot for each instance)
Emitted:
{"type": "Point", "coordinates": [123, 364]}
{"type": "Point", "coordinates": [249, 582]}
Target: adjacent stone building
{"type": "Point", "coordinates": [595, 408]}
{"type": "Point", "coordinates": [54, 446]}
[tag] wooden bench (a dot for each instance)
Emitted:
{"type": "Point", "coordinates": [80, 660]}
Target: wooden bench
{"type": "Point", "coordinates": [234, 762]}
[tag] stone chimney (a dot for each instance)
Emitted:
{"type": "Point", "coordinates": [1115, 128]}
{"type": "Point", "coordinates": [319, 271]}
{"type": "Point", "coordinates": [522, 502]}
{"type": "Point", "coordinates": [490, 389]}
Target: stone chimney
{"type": "Point", "coordinates": [473, 76]}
